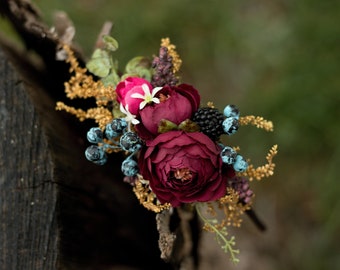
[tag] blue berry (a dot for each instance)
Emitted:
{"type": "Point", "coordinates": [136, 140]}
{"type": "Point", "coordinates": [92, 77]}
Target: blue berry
{"type": "Point", "coordinates": [231, 111]}
{"type": "Point", "coordinates": [115, 128]}
{"type": "Point", "coordinates": [228, 155]}
{"type": "Point", "coordinates": [230, 125]}
{"type": "Point", "coordinates": [130, 142]}
{"type": "Point", "coordinates": [129, 167]}
{"type": "Point", "coordinates": [95, 135]}
{"type": "Point", "coordinates": [96, 154]}
{"type": "Point", "coordinates": [240, 164]}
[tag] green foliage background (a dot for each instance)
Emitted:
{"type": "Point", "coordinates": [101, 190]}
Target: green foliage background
{"type": "Point", "coordinates": [278, 59]}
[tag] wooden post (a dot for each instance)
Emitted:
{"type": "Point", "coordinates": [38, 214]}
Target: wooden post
{"type": "Point", "coordinates": [28, 236]}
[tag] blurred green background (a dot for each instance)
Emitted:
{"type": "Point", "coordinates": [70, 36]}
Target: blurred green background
{"type": "Point", "coordinates": [277, 59]}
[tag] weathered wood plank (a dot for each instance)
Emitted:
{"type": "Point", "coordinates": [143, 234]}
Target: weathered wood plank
{"type": "Point", "coordinates": [28, 237]}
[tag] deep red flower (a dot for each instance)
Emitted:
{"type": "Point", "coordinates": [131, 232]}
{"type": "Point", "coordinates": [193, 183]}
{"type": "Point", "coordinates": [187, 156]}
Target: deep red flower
{"type": "Point", "coordinates": [184, 168]}
{"type": "Point", "coordinates": [178, 103]}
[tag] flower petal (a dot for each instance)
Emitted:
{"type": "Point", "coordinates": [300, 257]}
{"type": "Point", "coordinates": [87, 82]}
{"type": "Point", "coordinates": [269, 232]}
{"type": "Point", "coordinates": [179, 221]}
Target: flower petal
{"type": "Point", "coordinates": [146, 89]}
{"type": "Point", "coordinates": [156, 90]}
{"type": "Point", "coordinates": [137, 95]}
{"type": "Point", "coordinates": [156, 100]}
{"type": "Point", "coordinates": [122, 109]}
{"type": "Point", "coordinates": [134, 121]}
{"type": "Point", "coordinates": [142, 105]}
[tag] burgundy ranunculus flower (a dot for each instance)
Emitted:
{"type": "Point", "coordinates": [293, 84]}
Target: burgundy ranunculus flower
{"type": "Point", "coordinates": [177, 103]}
{"type": "Point", "coordinates": [184, 168]}
{"type": "Point", "coordinates": [125, 89]}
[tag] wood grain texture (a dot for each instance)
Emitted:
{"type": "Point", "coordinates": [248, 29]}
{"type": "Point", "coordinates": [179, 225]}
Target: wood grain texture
{"type": "Point", "coordinates": [28, 237]}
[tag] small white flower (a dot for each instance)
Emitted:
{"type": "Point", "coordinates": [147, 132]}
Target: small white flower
{"type": "Point", "coordinates": [148, 96]}
{"type": "Point", "coordinates": [129, 117]}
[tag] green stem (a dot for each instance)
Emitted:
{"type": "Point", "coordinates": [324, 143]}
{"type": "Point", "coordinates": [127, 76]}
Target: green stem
{"type": "Point", "coordinates": [228, 243]}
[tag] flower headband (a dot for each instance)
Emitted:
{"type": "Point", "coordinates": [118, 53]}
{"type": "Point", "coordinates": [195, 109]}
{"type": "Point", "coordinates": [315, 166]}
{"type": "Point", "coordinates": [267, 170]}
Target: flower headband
{"type": "Point", "coordinates": [174, 155]}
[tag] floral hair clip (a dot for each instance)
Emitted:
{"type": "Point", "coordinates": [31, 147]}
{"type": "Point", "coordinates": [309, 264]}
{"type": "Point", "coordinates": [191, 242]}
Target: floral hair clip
{"type": "Point", "coordinates": [174, 155]}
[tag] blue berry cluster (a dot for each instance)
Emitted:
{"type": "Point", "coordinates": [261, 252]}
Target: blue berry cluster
{"type": "Point", "coordinates": [230, 123]}
{"type": "Point", "coordinates": [230, 126]}
{"type": "Point", "coordinates": [120, 138]}
{"type": "Point", "coordinates": [230, 157]}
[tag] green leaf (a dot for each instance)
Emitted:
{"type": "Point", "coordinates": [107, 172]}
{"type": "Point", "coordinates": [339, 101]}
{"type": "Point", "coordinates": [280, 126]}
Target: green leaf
{"type": "Point", "coordinates": [112, 79]}
{"type": "Point", "coordinates": [110, 43]}
{"type": "Point", "coordinates": [188, 126]}
{"type": "Point", "coordinates": [139, 66]}
{"type": "Point", "coordinates": [166, 125]}
{"type": "Point", "coordinates": [100, 63]}
{"type": "Point", "coordinates": [116, 110]}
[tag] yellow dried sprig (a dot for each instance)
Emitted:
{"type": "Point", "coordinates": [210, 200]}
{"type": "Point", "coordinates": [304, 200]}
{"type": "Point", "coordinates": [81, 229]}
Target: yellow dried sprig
{"type": "Point", "coordinates": [72, 60]}
{"type": "Point", "coordinates": [101, 115]}
{"type": "Point", "coordinates": [79, 113]}
{"type": "Point", "coordinates": [146, 197]}
{"type": "Point", "coordinates": [82, 85]}
{"type": "Point", "coordinates": [232, 209]}
{"type": "Point", "coordinates": [210, 104]}
{"type": "Point", "coordinates": [257, 121]}
{"type": "Point", "coordinates": [237, 148]}
{"type": "Point", "coordinates": [211, 209]}
{"type": "Point", "coordinates": [265, 170]}
{"type": "Point", "coordinates": [231, 197]}
{"type": "Point", "coordinates": [176, 60]}
{"type": "Point", "coordinates": [85, 87]}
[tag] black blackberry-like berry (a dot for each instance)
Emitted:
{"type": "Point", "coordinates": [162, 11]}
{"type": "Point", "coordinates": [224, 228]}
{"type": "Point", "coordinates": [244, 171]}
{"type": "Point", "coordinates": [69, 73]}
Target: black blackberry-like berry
{"type": "Point", "coordinates": [210, 121]}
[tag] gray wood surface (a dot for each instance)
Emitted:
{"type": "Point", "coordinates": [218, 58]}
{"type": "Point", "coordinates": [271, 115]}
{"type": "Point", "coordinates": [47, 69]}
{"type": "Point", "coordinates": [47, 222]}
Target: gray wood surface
{"type": "Point", "coordinates": [28, 234]}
